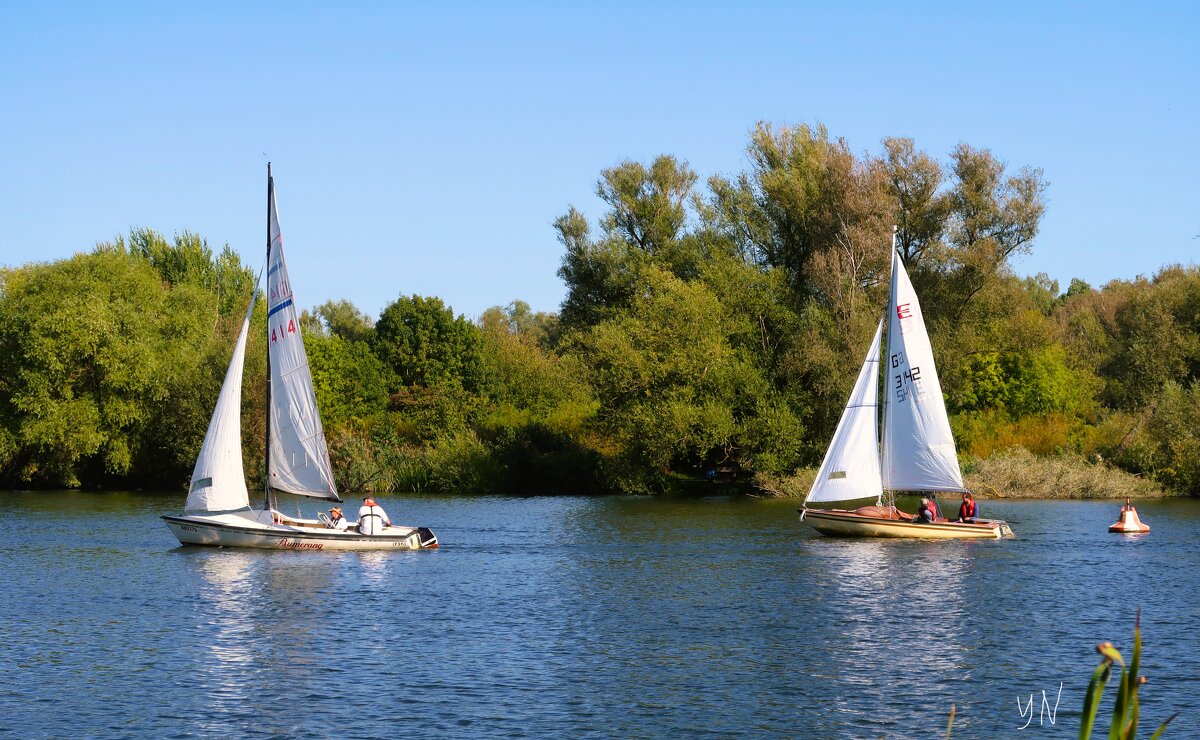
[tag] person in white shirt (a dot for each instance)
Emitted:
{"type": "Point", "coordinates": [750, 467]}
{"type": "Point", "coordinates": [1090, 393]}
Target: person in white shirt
{"type": "Point", "coordinates": [372, 518]}
{"type": "Point", "coordinates": [337, 521]}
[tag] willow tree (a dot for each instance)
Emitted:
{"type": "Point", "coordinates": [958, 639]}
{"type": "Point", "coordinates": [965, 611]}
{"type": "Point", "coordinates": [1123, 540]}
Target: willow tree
{"type": "Point", "coordinates": [95, 352]}
{"type": "Point", "coordinates": [644, 224]}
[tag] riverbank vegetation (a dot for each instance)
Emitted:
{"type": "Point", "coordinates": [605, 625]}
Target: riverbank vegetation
{"type": "Point", "coordinates": [709, 335]}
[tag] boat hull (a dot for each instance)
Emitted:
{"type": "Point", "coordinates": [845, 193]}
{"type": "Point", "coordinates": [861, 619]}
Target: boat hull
{"type": "Point", "coordinates": [234, 530]}
{"type": "Point", "coordinates": [841, 523]}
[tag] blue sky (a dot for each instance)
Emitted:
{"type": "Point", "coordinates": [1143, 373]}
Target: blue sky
{"type": "Point", "coordinates": [427, 148]}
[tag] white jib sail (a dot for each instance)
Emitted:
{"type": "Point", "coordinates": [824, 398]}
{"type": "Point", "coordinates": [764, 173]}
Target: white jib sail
{"type": "Point", "coordinates": [299, 460]}
{"type": "Point", "coordinates": [218, 480]}
{"type": "Point", "coordinates": [851, 466]}
{"type": "Point", "coordinates": [918, 447]}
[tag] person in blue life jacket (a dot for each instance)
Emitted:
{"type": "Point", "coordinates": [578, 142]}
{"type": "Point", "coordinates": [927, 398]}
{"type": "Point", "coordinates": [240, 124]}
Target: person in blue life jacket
{"type": "Point", "coordinates": [969, 511]}
{"type": "Point", "coordinates": [372, 518]}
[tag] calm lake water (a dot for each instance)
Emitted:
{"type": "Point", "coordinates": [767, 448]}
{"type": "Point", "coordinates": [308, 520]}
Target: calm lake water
{"type": "Point", "coordinates": [569, 617]}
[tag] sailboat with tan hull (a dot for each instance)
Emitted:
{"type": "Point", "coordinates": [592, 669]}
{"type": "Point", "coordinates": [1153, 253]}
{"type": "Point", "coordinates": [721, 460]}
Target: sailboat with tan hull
{"type": "Point", "coordinates": [218, 510]}
{"type": "Point", "coordinates": [917, 453]}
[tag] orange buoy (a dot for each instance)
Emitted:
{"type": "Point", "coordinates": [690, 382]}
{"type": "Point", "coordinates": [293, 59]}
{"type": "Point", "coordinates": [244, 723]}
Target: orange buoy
{"type": "Point", "coordinates": [1128, 521]}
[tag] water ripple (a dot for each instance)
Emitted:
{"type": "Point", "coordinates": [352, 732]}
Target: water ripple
{"type": "Point", "coordinates": [583, 617]}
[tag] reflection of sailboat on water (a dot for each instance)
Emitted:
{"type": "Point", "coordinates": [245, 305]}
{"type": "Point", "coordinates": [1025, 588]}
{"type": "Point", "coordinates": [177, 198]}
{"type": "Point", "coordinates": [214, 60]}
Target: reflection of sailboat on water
{"type": "Point", "coordinates": [218, 510]}
{"type": "Point", "coordinates": [918, 452]}
{"type": "Point", "coordinates": [879, 674]}
{"type": "Point", "coordinates": [227, 581]}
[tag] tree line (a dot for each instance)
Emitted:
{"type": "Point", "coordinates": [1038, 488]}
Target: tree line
{"type": "Point", "coordinates": [708, 329]}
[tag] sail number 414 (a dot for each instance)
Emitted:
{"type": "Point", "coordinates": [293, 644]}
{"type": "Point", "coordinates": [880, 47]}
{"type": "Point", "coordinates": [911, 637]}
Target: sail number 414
{"type": "Point", "coordinates": [283, 332]}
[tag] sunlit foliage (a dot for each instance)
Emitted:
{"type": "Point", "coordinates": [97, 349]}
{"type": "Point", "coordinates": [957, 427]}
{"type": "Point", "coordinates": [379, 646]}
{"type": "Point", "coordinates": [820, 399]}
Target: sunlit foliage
{"type": "Point", "coordinates": [711, 329]}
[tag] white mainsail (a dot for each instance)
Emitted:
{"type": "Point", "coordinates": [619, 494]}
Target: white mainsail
{"type": "Point", "coordinates": [851, 466]}
{"type": "Point", "coordinates": [918, 447]}
{"type": "Point", "coordinates": [218, 480]}
{"type": "Point", "coordinates": [299, 460]}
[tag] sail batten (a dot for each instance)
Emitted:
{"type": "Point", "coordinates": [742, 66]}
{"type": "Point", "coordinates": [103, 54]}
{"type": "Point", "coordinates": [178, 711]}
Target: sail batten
{"type": "Point", "coordinates": [918, 446]}
{"type": "Point", "coordinates": [850, 469]}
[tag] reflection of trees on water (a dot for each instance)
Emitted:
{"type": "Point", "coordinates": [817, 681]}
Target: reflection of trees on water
{"type": "Point", "coordinates": [678, 603]}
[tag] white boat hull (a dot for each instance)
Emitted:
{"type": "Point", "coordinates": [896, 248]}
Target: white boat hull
{"type": "Point", "coordinates": [842, 523]}
{"type": "Point", "coordinates": [242, 530]}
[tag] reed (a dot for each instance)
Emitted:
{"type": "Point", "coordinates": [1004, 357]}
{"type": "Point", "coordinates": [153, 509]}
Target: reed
{"type": "Point", "coordinates": [1013, 473]}
{"type": "Point", "coordinates": [1126, 709]}
{"type": "Point", "coordinates": [795, 485]}
{"type": "Point", "coordinates": [1018, 473]}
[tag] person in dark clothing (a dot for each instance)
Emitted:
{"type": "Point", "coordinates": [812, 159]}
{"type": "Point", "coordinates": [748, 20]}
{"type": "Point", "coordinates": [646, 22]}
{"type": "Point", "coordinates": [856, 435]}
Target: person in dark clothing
{"type": "Point", "coordinates": [969, 511]}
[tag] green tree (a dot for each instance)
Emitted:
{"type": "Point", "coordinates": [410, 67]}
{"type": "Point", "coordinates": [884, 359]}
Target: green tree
{"type": "Point", "coordinates": [673, 393]}
{"type": "Point", "coordinates": [188, 260]}
{"type": "Point", "coordinates": [645, 220]}
{"type": "Point", "coordinates": [914, 180]}
{"type": "Point", "coordinates": [1024, 383]}
{"type": "Point", "coordinates": [519, 320]}
{"type": "Point", "coordinates": [647, 205]}
{"type": "Point", "coordinates": [422, 343]}
{"type": "Point", "coordinates": [519, 371]}
{"type": "Point", "coordinates": [343, 319]}
{"type": "Point", "coordinates": [348, 379]}
{"type": "Point", "coordinates": [992, 217]}
{"type": "Point", "coordinates": [600, 276]}
{"type": "Point", "coordinates": [92, 349]}
{"type": "Point", "coordinates": [1164, 442]}
{"type": "Point", "coordinates": [804, 191]}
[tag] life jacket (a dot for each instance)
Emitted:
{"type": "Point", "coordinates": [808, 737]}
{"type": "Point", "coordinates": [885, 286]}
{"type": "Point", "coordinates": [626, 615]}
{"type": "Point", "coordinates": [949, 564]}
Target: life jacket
{"type": "Point", "coordinates": [372, 521]}
{"type": "Point", "coordinates": [933, 511]}
{"type": "Point", "coordinates": [967, 510]}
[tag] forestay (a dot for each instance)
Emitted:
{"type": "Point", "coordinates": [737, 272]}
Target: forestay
{"type": "Point", "coordinates": [851, 466]}
{"type": "Point", "coordinates": [299, 460]}
{"type": "Point", "coordinates": [918, 447]}
{"type": "Point", "coordinates": [218, 480]}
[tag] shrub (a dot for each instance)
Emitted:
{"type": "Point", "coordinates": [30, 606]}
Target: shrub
{"type": "Point", "coordinates": [1017, 473]}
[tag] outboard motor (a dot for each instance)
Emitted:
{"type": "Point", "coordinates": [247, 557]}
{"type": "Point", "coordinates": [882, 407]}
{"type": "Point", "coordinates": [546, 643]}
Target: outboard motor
{"type": "Point", "coordinates": [426, 537]}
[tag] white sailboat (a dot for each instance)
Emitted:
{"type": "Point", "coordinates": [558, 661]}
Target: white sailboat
{"type": "Point", "coordinates": [218, 510]}
{"type": "Point", "coordinates": [918, 452]}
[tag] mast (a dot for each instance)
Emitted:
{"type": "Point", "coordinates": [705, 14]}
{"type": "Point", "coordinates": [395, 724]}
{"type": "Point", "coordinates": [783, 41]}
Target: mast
{"type": "Point", "coordinates": [267, 446]}
{"type": "Point", "coordinates": [889, 496]}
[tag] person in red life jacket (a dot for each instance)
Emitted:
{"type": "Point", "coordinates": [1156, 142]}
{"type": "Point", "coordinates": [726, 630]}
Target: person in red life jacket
{"type": "Point", "coordinates": [969, 509]}
{"type": "Point", "coordinates": [926, 512]}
